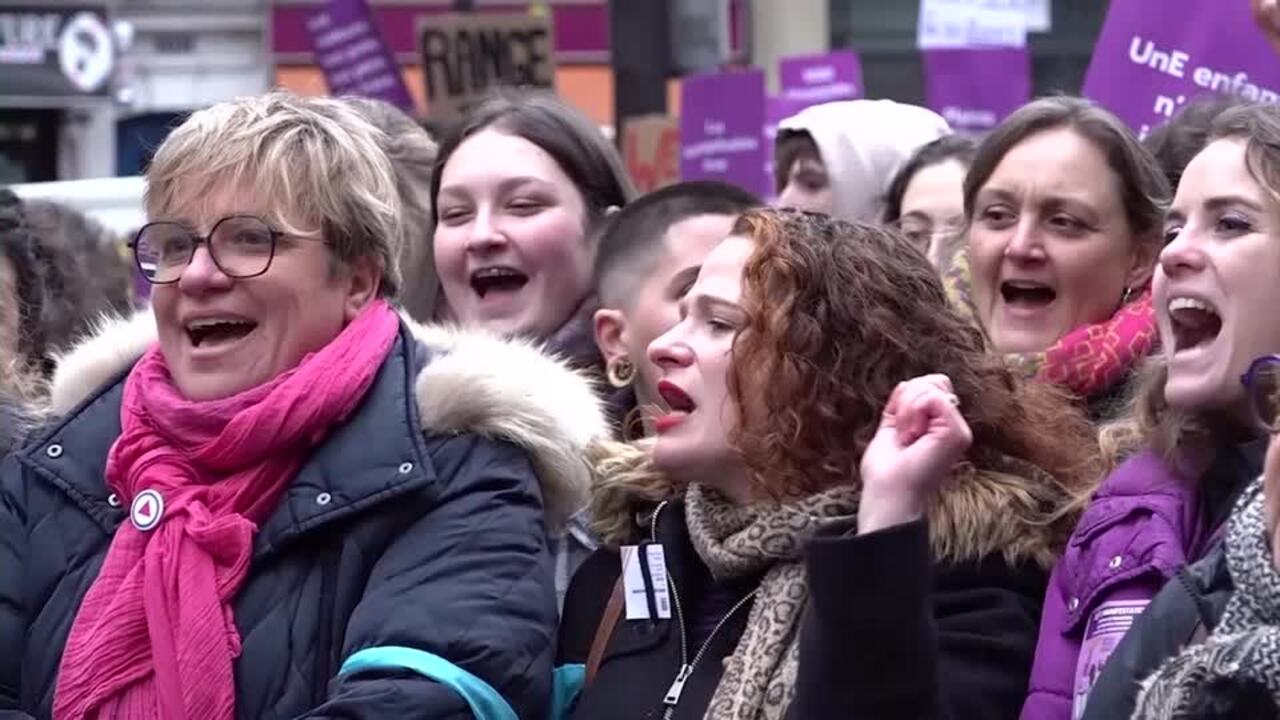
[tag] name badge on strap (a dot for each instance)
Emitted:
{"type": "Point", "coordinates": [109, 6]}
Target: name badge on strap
{"type": "Point", "coordinates": [644, 582]}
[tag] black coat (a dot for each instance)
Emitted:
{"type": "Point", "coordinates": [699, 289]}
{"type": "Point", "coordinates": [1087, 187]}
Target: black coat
{"type": "Point", "coordinates": [890, 634]}
{"type": "Point", "coordinates": [885, 634]}
{"type": "Point", "coordinates": [388, 536]}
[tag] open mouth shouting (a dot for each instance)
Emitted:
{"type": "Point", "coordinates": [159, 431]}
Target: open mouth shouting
{"type": "Point", "coordinates": [498, 281]}
{"type": "Point", "coordinates": [1027, 296]}
{"type": "Point", "coordinates": [678, 402]}
{"type": "Point", "coordinates": [1195, 324]}
{"type": "Point", "coordinates": [217, 332]}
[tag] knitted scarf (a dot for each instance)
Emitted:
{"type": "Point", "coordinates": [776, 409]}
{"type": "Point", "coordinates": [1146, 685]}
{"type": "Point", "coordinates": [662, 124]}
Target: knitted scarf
{"type": "Point", "coordinates": [734, 541]}
{"type": "Point", "coordinates": [1245, 646]}
{"type": "Point", "coordinates": [1089, 360]}
{"type": "Point", "coordinates": [155, 636]}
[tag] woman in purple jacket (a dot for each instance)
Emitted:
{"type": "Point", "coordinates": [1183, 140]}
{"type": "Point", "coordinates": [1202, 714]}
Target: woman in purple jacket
{"type": "Point", "coordinates": [1215, 299]}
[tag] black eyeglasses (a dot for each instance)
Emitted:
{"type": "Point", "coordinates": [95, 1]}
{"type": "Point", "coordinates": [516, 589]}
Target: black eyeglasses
{"type": "Point", "coordinates": [242, 246]}
{"type": "Point", "coordinates": [1262, 383]}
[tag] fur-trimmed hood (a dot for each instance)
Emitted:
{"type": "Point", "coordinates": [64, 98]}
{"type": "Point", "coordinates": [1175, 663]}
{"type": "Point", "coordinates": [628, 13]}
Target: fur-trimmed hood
{"type": "Point", "coordinates": [1009, 507]}
{"type": "Point", "coordinates": [475, 382]}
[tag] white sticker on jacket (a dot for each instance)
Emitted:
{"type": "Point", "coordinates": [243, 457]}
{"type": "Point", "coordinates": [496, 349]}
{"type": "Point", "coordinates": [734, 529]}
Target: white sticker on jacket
{"type": "Point", "coordinates": [657, 560]}
{"type": "Point", "coordinates": [1104, 631]}
{"type": "Point", "coordinates": [633, 584]}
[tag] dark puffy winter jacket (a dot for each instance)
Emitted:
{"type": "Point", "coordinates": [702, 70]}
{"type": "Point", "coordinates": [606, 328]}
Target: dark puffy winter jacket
{"type": "Point", "coordinates": [922, 621]}
{"type": "Point", "coordinates": [413, 540]}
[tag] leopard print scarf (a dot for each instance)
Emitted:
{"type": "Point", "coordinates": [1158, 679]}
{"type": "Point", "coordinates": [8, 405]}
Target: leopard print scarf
{"type": "Point", "coordinates": [759, 680]}
{"type": "Point", "coordinates": [1246, 644]}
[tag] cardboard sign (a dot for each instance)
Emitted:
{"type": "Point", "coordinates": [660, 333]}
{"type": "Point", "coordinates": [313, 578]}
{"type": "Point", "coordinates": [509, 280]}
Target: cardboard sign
{"type": "Point", "coordinates": [354, 56]}
{"type": "Point", "coordinates": [721, 129]}
{"type": "Point", "coordinates": [1146, 65]}
{"type": "Point", "coordinates": [977, 88]}
{"type": "Point", "coordinates": [651, 149]}
{"type": "Point", "coordinates": [465, 54]}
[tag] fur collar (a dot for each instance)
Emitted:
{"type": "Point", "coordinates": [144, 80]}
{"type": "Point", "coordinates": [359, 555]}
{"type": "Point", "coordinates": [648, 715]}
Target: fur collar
{"type": "Point", "coordinates": [476, 382]}
{"type": "Point", "coordinates": [1009, 508]}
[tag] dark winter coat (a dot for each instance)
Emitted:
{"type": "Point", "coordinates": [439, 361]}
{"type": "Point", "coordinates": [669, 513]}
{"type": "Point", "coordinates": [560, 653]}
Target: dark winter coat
{"type": "Point", "coordinates": [890, 630]}
{"type": "Point", "coordinates": [13, 423]}
{"type": "Point", "coordinates": [418, 524]}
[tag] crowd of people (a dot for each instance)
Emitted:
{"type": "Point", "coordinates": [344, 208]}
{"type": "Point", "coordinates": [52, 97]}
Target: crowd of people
{"type": "Point", "coordinates": [464, 427]}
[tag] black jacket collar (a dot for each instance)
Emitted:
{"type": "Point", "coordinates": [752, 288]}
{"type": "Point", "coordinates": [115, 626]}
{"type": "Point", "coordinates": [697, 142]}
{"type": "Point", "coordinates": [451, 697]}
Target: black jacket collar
{"type": "Point", "coordinates": [378, 454]}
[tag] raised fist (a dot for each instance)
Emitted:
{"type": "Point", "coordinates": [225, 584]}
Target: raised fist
{"type": "Point", "coordinates": [922, 435]}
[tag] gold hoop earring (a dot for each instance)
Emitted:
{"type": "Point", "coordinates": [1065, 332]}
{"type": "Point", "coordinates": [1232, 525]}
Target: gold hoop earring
{"type": "Point", "coordinates": [621, 372]}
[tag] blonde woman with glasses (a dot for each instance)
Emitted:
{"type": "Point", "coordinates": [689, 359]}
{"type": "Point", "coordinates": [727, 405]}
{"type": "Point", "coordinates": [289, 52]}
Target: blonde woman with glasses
{"type": "Point", "coordinates": [272, 496]}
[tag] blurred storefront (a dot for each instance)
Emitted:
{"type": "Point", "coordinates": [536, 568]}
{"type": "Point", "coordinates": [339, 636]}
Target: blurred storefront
{"type": "Point", "coordinates": [57, 65]}
{"type": "Point", "coordinates": [89, 90]}
{"type": "Point", "coordinates": [184, 55]}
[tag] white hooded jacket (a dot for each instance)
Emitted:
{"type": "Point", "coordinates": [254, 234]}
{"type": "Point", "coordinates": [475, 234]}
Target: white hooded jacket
{"type": "Point", "coordinates": [863, 144]}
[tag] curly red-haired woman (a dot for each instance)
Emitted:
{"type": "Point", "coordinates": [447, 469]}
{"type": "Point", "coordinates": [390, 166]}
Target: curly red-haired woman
{"type": "Point", "coordinates": [823, 402]}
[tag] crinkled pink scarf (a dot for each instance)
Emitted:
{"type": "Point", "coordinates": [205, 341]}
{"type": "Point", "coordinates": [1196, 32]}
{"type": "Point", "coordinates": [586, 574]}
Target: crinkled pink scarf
{"type": "Point", "coordinates": [155, 636]}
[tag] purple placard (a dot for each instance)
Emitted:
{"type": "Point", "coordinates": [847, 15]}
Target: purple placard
{"type": "Point", "coordinates": [720, 128]}
{"type": "Point", "coordinates": [816, 79]}
{"type": "Point", "coordinates": [1149, 62]}
{"type": "Point", "coordinates": [975, 88]}
{"type": "Point", "coordinates": [355, 59]}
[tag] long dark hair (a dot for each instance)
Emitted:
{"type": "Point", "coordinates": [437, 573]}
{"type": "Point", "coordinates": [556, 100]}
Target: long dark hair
{"type": "Point", "coordinates": [952, 147]}
{"type": "Point", "coordinates": [839, 314]}
{"type": "Point", "coordinates": [577, 146]}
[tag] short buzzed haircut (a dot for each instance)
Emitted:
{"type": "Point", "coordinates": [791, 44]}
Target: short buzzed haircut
{"type": "Point", "coordinates": [633, 241]}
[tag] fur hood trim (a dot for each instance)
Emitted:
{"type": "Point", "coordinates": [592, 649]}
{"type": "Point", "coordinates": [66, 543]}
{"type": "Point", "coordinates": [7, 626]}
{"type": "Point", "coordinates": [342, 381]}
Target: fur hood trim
{"type": "Point", "coordinates": [476, 382]}
{"type": "Point", "coordinates": [1010, 508]}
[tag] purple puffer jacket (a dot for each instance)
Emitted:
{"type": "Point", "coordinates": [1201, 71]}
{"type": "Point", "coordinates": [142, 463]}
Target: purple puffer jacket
{"type": "Point", "coordinates": [1141, 526]}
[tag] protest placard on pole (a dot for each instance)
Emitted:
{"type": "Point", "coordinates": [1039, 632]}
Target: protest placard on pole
{"type": "Point", "coordinates": [651, 150]}
{"type": "Point", "coordinates": [1146, 65]}
{"type": "Point", "coordinates": [465, 54]}
{"type": "Point", "coordinates": [353, 55]}
{"type": "Point", "coordinates": [721, 123]}
{"type": "Point", "coordinates": [975, 88]}
{"type": "Point", "coordinates": [814, 79]}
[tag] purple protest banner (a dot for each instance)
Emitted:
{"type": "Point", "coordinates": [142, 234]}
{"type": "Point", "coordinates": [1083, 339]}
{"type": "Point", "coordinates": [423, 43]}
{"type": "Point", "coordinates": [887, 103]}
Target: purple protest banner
{"type": "Point", "coordinates": [355, 58]}
{"type": "Point", "coordinates": [975, 88]}
{"type": "Point", "coordinates": [720, 128]}
{"type": "Point", "coordinates": [815, 79]}
{"type": "Point", "coordinates": [1149, 61]}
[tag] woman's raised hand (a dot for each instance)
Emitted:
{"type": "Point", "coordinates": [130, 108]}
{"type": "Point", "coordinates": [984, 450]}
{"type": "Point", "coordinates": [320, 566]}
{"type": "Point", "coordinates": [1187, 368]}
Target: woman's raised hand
{"type": "Point", "coordinates": [922, 435]}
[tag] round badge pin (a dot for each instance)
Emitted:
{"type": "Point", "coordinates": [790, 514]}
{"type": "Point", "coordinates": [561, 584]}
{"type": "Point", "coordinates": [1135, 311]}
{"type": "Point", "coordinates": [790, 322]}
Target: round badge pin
{"type": "Point", "coordinates": [147, 509]}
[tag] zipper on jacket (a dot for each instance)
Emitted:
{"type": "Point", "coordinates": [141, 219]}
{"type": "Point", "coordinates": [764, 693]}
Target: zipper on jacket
{"type": "Point", "coordinates": [672, 698]}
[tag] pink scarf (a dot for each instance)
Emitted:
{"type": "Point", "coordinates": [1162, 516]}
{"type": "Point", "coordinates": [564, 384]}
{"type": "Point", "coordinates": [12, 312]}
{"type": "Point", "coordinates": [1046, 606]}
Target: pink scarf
{"type": "Point", "coordinates": [155, 636]}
